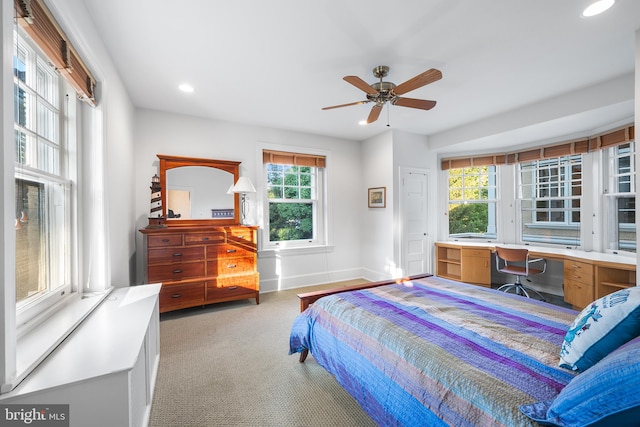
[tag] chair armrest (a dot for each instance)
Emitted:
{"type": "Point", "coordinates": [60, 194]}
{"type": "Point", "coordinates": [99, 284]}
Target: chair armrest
{"type": "Point", "coordinates": [531, 261]}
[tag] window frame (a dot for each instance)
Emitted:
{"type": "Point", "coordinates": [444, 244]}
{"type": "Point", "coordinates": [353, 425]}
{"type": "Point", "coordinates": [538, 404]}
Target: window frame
{"type": "Point", "coordinates": [55, 174]}
{"type": "Point", "coordinates": [612, 194]}
{"type": "Point", "coordinates": [316, 201]}
{"type": "Point", "coordinates": [322, 217]}
{"type": "Point", "coordinates": [492, 202]}
{"type": "Point", "coordinates": [566, 195]}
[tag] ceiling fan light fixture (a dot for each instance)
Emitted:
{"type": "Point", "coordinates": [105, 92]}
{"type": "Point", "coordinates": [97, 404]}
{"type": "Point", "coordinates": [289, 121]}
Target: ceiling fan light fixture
{"type": "Point", "coordinates": [597, 8]}
{"type": "Point", "coordinates": [381, 92]}
{"type": "Point", "coordinates": [186, 88]}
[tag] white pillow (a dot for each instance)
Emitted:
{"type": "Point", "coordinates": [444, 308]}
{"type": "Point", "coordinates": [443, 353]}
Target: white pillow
{"type": "Point", "coordinates": [603, 326]}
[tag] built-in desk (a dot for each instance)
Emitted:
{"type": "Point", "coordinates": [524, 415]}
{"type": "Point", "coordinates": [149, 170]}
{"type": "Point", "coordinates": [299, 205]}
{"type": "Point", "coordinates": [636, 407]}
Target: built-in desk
{"type": "Point", "coordinates": [587, 275]}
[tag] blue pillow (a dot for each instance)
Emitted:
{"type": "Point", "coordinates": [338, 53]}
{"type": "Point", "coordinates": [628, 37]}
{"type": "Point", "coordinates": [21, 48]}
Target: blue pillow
{"type": "Point", "coordinates": [605, 395]}
{"type": "Point", "coordinates": [600, 328]}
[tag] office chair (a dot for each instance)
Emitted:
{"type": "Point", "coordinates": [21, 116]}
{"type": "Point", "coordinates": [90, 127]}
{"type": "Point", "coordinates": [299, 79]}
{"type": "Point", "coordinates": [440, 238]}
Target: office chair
{"type": "Point", "coordinates": [517, 262]}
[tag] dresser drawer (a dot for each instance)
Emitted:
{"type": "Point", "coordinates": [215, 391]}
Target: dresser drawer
{"type": "Point", "coordinates": [176, 255]}
{"type": "Point", "coordinates": [578, 272]}
{"type": "Point", "coordinates": [242, 234]}
{"type": "Point", "coordinates": [174, 272]}
{"type": "Point", "coordinates": [164, 240]}
{"type": "Point", "coordinates": [175, 296]}
{"type": "Point", "coordinates": [204, 238]}
{"type": "Point", "coordinates": [227, 251]}
{"type": "Point", "coordinates": [222, 288]}
{"type": "Point", "coordinates": [230, 266]}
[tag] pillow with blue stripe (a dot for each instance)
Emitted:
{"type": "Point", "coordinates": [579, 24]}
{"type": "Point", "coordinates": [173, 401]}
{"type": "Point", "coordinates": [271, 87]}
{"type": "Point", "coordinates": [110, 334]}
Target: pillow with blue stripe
{"type": "Point", "coordinates": [600, 328]}
{"type": "Point", "coordinates": [603, 396]}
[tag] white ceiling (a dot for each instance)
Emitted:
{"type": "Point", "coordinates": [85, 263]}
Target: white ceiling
{"type": "Point", "coordinates": [277, 63]}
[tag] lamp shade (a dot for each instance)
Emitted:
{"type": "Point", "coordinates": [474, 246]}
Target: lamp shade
{"type": "Point", "coordinates": [244, 185]}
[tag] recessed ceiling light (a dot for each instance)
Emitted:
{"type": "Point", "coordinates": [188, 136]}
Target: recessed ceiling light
{"type": "Point", "coordinates": [363, 122]}
{"type": "Point", "coordinates": [597, 7]}
{"type": "Point", "coordinates": [185, 87]}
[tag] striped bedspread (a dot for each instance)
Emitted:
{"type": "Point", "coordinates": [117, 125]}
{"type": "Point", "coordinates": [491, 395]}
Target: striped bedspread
{"type": "Point", "coordinates": [436, 352]}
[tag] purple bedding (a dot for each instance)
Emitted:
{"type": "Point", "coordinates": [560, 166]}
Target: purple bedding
{"type": "Point", "coordinates": [437, 352]}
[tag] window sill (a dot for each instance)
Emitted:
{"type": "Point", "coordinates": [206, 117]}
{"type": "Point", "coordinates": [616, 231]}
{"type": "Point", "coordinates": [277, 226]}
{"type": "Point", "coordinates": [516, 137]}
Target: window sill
{"type": "Point", "coordinates": [552, 225]}
{"type": "Point", "coordinates": [36, 344]}
{"type": "Point", "coordinates": [300, 250]}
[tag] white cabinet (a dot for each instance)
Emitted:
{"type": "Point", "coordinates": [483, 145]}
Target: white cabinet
{"type": "Point", "coordinates": [106, 369]}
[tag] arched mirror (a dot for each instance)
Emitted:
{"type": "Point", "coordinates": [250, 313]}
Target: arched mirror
{"type": "Point", "coordinates": [196, 191]}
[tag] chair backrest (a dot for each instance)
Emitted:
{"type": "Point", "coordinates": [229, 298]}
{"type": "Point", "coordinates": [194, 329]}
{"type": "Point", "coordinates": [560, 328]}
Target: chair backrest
{"type": "Point", "coordinates": [512, 254]}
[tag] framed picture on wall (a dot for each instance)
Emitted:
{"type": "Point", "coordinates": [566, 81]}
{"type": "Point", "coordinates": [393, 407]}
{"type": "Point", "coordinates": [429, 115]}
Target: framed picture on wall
{"type": "Point", "coordinates": [378, 197]}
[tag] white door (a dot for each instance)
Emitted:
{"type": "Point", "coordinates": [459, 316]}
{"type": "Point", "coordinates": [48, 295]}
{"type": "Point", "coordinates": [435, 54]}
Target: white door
{"type": "Point", "coordinates": [414, 238]}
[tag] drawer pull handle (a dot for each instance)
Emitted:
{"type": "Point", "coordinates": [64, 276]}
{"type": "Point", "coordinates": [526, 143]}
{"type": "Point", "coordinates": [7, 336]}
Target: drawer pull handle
{"type": "Point", "coordinates": [176, 271]}
{"type": "Point", "coordinates": [176, 296]}
{"type": "Point", "coordinates": [165, 240]}
{"type": "Point", "coordinates": [230, 251]}
{"type": "Point", "coordinates": [204, 239]}
{"type": "Point", "coordinates": [232, 265]}
{"type": "Point", "coordinates": [241, 237]}
{"type": "Point", "coordinates": [232, 288]}
{"type": "Point", "coordinates": [177, 254]}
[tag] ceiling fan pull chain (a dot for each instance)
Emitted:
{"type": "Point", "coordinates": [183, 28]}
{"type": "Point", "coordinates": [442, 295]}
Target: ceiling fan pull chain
{"type": "Point", "coordinates": [388, 113]}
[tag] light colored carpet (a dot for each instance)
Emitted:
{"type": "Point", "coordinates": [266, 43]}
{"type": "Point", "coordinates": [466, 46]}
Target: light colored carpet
{"type": "Point", "coordinates": [228, 365]}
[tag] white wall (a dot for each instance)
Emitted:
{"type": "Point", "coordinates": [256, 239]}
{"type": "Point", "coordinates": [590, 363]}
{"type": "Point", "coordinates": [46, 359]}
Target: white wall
{"type": "Point", "coordinates": [378, 258]}
{"type": "Point", "coordinates": [165, 133]}
{"type": "Point", "coordinates": [106, 219]}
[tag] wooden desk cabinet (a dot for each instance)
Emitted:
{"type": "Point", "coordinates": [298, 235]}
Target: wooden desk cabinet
{"type": "Point", "coordinates": [578, 283]}
{"type": "Point", "coordinates": [470, 265]}
{"type": "Point", "coordinates": [587, 275]}
{"type": "Point", "coordinates": [476, 266]}
{"type": "Point", "coordinates": [199, 265]}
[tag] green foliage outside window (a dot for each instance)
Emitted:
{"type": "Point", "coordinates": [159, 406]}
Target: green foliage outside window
{"type": "Point", "coordinates": [469, 218]}
{"type": "Point", "coordinates": [290, 191]}
{"type": "Point", "coordinates": [290, 221]}
{"type": "Point", "coordinates": [472, 191]}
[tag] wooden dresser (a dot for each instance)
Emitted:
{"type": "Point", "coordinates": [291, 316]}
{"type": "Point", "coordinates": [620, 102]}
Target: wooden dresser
{"type": "Point", "coordinates": [200, 265]}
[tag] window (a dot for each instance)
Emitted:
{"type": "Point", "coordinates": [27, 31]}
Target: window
{"type": "Point", "coordinates": [42, 184]}
{"type": "Point", "coordinates": [620, 197]}
{"type": "Point", "coordinates": [472, 202]}
{"type": "Point", "coordinates": [550, 197]}
{"type": "Point", "coordinates": [295, 194]}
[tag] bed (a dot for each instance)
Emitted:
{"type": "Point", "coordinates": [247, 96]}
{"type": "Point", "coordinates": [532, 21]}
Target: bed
{"type": "Point", "coordinates": [430, 351]}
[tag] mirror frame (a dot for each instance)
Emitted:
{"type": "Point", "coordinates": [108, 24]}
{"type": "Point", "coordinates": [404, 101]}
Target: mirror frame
{"type": "Point", "coordinates": [171, 162]}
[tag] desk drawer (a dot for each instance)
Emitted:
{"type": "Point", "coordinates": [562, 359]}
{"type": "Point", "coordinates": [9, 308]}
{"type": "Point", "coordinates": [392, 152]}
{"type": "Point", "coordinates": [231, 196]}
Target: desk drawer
{"type": "Point", "coordinates": [480, 253]}
{"type": "Point", "coordinates": [578, 294]}
{"type": "Point", "coordinates": [577, 271]}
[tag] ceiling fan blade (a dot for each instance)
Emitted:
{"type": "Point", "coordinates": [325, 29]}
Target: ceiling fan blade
{"type": "Point", "coordinates": [360, 84]}
{"type": "Point", "coordinates": [422, 104]}
{"type": "Point", "coordinates": [420, 80]}
{"type": "Point", "coordinates": [345, 105]}
{"type": "Point", "coordinates": [374, 114]}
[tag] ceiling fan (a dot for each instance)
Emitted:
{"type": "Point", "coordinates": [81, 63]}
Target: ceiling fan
{"type": "Point", "coordinates": [382, 92]}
